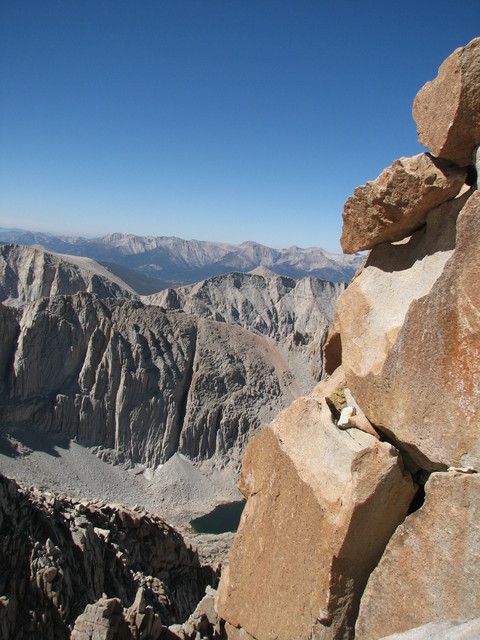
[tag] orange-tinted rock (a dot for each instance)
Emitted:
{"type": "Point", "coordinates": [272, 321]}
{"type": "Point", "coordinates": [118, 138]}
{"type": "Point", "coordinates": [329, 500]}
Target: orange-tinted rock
{"type": "Point", "coordinates": [409, 325]}
{"type": "Point", "coordinates": [447, 109]}
{"type": "Point", "coordinates": [426, 391]}
{"type": "Point", "coordinates": [321, 506]}
{"type": "Point", "coordinates": [452, 630]}
{"type": "Point", "coordinates": [395, 204]}
{"type": "Point", "coordinates": [372, 309]}
{"type": "Point", "coordinates": [429, 571]}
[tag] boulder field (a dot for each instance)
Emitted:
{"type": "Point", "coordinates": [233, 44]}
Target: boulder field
{"type": "Point", "coordinates": [362, 517]}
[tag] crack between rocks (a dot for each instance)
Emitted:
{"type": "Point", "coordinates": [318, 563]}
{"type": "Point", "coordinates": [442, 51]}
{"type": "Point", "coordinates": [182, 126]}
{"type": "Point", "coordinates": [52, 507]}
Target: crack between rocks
{"type": "Point", "coordinates": [427, 465]}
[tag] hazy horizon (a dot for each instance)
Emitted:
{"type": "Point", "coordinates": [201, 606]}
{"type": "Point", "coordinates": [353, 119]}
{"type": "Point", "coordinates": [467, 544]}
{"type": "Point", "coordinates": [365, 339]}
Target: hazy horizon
{"type": "Point", "coordinates": [99, 237]}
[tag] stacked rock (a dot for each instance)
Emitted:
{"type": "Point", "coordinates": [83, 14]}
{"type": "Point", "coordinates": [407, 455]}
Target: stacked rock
{"type": "Point", "coordinates": [346, 535]}
{"type": "Point", "coordinates": [408, 329]}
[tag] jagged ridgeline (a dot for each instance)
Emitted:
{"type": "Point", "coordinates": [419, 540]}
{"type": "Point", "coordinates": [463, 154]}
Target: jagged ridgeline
{"type": "Point", "coordinates": [364, 496]}
{"type": "Point", "coordinates": [193, 370]}
{"type": "Point", "coordinates": [59, 554]}
{"type": "Point", "coordinates": [143, 260]}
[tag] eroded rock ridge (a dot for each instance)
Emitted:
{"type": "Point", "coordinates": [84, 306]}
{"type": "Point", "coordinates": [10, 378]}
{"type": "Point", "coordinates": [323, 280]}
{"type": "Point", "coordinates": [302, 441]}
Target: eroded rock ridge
{"type": "Point", "coordinates": [27, 274]}
{"type": "Point", "coordinates": [295, 313]}
{"type": "Point", "coordinates": [61, 556]}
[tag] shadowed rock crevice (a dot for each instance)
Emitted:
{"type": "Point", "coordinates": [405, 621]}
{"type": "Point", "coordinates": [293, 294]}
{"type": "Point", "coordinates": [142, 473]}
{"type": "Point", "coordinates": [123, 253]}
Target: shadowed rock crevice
{"type": "Point", "coordinates": [418, 499]}
{"type": "Point", "coordinates": [472, 176]}
{"type": "Point", "coordinates": [414, 460]}
{"type": "Point", "coordinates": [183, 398]}
{"type": "Point", "coordinates": [10, 332]}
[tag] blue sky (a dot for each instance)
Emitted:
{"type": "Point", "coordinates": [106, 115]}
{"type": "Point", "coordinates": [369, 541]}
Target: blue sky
{"type": "Point", "coordinates": [224, 120]}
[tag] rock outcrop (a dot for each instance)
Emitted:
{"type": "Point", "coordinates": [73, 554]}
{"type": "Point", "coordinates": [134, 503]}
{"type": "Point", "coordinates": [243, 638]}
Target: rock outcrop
{"type": "Point", "coordinates": [323, 499]}
{"type": "Point", "coordinates": [138, 380]}
{"type": "Point", "coordinates": [434, 557]}
{"type": "Point", "coordinates": [103, 620]}
{"type": "Point", "coordinates": [107, 620]}
{"type": "Point", "coordinates": [27, 274]}
{"type": "Point", "coordinates": [407, 332]}
{"type": "Point", "coordinates": [447, 109]}
{"type": "Point", "coordinates": [270, 305]}
{"type": "Point", "coordinates": [203, 623]}
{"type": "Point", "coordinates": [296, 314]}
{"type": "Point", "coordinates": [322, 504]}
{"type": "Point", "coordinates": [434, 410]}
{"type": "Point", "coordinates": [59, 555]}
{"type": "Point", "coordinates": [429, 283]}
{"type": "Point", "coordinates": [397, 202]}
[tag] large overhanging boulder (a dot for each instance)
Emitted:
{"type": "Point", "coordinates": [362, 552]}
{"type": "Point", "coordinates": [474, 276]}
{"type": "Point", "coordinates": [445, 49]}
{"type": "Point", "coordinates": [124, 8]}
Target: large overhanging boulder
{"type": "Point", "coordinates": [429, 571]}
{"type": "Point", "coordinates": [447, 109]}
{"type": "Point", "coordinates": [395, 204]}
{"type": "Point", "coordinates": [321, 506]}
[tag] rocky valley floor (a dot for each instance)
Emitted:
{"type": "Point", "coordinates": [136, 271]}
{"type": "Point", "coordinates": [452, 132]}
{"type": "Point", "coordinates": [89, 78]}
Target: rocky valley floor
{"type": "Point", "coordinates": [176, 491]}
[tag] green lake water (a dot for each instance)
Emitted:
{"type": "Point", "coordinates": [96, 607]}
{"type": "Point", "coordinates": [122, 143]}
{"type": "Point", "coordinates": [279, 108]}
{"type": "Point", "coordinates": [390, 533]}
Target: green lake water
{"type": "Point", "coordinates": [223, 518]}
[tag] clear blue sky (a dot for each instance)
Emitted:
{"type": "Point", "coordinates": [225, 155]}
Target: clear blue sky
{"type": "Point", "coordinates": [225, 120]}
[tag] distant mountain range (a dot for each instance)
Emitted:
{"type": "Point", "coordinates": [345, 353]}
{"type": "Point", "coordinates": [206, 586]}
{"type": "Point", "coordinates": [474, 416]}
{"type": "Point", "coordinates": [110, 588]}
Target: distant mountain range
{"type": "Point", "coordinates": [172, 260]}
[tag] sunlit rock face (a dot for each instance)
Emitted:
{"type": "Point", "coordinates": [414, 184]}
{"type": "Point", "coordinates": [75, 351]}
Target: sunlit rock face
{"type": "Point", "coordinates": [321, 505]}
{"type": "Point", "coordinates": [410, 334]}
{"type": "Point", "coordinates": [447, 109]}
{"type": "Point", "coordinates": [325, 543]}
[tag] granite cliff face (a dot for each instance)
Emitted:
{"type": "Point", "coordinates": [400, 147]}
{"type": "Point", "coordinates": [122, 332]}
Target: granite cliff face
{"type": "Point", "coordinates": [268, 304]}
{"type": "Point", "coordinates": [296, 314]}
{"type": "Point", "coordinates": [367, 490]}
{"type": "Point", "coordinates": [194, 371]}
{"type": "Point", "coordinates": [27, 274]}
{"type": "Point", "coordinates": [138, 380]}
